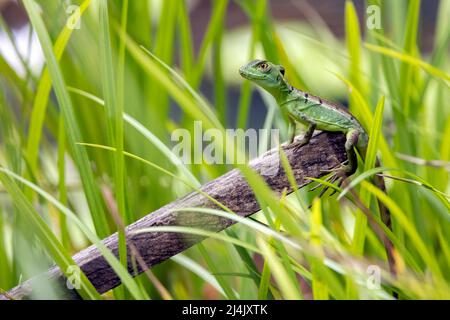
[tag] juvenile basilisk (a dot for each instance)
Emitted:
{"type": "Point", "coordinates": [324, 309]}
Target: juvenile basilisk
{"type": "Point", "coordinates": [316, 113]}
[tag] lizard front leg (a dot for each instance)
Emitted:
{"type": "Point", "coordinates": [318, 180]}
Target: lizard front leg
{"type": "Point", "coordinates": [304, 119]}
{"type": "Point", "coordinates": [292, 129]}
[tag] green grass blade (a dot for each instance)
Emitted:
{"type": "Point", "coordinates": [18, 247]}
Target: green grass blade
{"type": "Point", "coordinates": [218, 78]}
{"type": "Point", "coordinates": [156, 72]}
{"type": "Point", "coordinates": [319, 286]}
{"type": "Point", "coordinates": [409, 228]}
{"type": "Point", "coordinates": [198, 232]}
{"type": "Point", "coordinates": [375, 136]}
{"type": "Point", "coordinates": [121, 272]}
{"type": "Point", "coordinates": [62, 188]}
{"type": "Point", "coordinates": [229, 293]}
{"type": "Point", "coordinates": [45, 235]}
{"type": "Point", "coordinates": [5, 267]}
{"type": "Point", "coordinates": [366, 119]}
{"type": "Point", "coordinates": [406, 79]}
{"type": "Point", "coordinates": [256, 14]}
{"type": "Point", "coordinates": [114, 111]}
{"type": "Point", "coordinates": [353, 40]}
{"type": "Point", "coordinates": [73, 133]}
{"type": "Point", "coordinates": [196, 268]}
{"type": "Point", "coordinates": [263, 289]}
{"type": "Point", "coordinates": [370, 159]}
{"type": "Point", "coordinates": [287, 288]}
{"type": "Point", "coordinates": [202, 104]}
{"type": "Point", "coordinates": [43, 93]}
{"type": "Point", "coordinates": [149, 136]}
{"type": "Point", "coordinates": [266, 198]}
{"type": "Point", "coordinates": [215, 23]}
{"type": "Point", "coordinates": [246, 259]}
{"type": "Point", "coordinates": [186, 42]}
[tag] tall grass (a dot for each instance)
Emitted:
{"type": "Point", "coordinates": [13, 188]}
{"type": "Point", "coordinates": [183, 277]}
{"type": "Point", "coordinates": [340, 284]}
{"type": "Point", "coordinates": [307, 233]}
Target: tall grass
{"type": "Point", "coordinates": [60, 155]}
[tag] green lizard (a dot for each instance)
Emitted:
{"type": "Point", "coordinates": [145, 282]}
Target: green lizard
{"type": "Point", "coordinates": [316, 113]}
{"type": "Point", "coordinates": [312, 111]}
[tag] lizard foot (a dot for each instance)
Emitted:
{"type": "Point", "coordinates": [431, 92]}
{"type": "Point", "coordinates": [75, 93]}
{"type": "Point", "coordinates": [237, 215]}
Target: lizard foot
{"type": "Point", "coordinates": [339, 175]}
{"type": "Point", "coordinates": [342, 168]}
{"type": "Point", "coordinates": [300, 143]}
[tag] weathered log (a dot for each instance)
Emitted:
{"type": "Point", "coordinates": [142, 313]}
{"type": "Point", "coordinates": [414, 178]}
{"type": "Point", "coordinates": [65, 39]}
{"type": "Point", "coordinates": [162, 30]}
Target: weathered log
{"type": "Point", "coordinates": [325, 151]}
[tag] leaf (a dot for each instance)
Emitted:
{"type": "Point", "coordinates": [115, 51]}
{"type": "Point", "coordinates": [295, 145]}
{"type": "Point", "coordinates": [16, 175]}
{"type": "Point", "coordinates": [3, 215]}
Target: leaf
{"type": "Point", "coordinates": [353, 41]}
{"type": "Point", "coordinates": [287, 288]}
{"type": "Point", "coordinates": [51, 244]}
{"type": "Point", "coordinates": [439, 74]}
{"type": "Point", "coordinates": [43, 92]}
{"type": "Point", "coordinates": [319, 286]}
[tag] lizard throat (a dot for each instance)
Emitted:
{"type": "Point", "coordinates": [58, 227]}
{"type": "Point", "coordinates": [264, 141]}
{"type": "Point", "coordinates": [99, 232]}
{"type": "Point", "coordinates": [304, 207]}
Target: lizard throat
{"type": "Point", "coordinates": [283, 92]}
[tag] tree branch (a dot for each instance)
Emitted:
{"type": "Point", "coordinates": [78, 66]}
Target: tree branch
{"type": "Point", "coordinates": [325, 151]}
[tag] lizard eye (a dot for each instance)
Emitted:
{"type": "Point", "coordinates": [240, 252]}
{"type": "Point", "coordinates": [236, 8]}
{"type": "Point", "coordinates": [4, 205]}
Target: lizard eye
{"type": "Point", "coordinates": [263, 66]}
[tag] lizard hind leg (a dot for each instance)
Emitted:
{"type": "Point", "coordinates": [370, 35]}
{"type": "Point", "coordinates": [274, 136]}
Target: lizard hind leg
{"type": "Point", "coordinates": [350, 144]}
{"type": "Point", "coordinates": [347, 168]}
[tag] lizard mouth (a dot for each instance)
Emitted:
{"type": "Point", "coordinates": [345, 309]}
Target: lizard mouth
{"type": "Point", "coordinates": [249, 76]}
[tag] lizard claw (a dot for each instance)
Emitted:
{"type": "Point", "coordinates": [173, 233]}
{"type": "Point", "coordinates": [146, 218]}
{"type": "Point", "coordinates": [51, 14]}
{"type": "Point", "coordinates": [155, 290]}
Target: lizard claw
{"type": "Point", "coordinates": [341, 168]}
{"type": "Point", "coordinates": [335, 177]}
{"type": "Point", "coordinates": [338, 177]}
{"type": "Point", "coordinates": [319, 184]}
{"type": "Point", "coordinates": [339, 180]}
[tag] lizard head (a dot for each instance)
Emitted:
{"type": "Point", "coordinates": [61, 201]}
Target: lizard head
{"type": "Point", "coordinates": [264, 73]}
